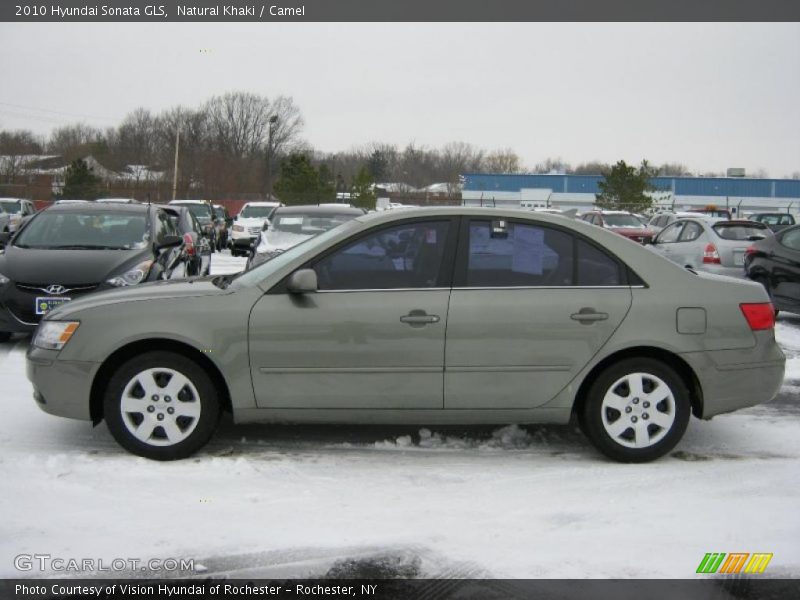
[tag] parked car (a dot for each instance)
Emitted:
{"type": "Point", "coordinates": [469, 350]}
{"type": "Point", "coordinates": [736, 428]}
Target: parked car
{"type": "Point", "coordinates": [624, 223]}
{"type": "Point", "coordinates": [774, 262]}
{"type": "Point", "coordinates": [662, 219]}
{"type": "Point", "coordinates": [204, 212]}
{"type": "Point", "coordinates": [196, 249]}
{"type": "Point", "coordinates": [117, 201]}
{"type": "Point", "coordinates": [440, 315]}
{"type": "Point", "coordinates": [71, 201]}
{"type": "Point", "coordinates": [13, 211]}
{"type": "Point", "coordinates": [222, 221]}
{"type": "Point", "coordinates": [775, 221]}
{"type": "Point", "coordinates": [248, 224]}
{"type": "Point", "coordinates": [70, 250]}
{"type": "Point", "coordinates": [715, 246]}
{"type": "Point", "coordinates": [290, 225]}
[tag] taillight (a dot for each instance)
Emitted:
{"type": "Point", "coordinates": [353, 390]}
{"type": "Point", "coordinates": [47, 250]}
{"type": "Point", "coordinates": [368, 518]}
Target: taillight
{"type": "Point", "coordinates": [188, 242]}
{"type": "Point", "coordinates": [750, 250]}
{"type": "Point", "coordinates": [759, 316]}
{"type": "Point", "coordinates": [710, 255]}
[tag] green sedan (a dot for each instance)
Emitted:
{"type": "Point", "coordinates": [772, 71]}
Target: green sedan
{"type": "Point", "coordinates": [423, 316]}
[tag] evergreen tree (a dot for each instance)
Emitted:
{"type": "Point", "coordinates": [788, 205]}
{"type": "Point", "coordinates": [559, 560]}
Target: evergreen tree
{"type": "Point", "coordinates": [80, 182]}
{"type": "Point", "coordinates": [363, 194]}
{"type": "Point", "coordinates": [624, 187]}
{"type": "Point", "coordinates": [301, 183]}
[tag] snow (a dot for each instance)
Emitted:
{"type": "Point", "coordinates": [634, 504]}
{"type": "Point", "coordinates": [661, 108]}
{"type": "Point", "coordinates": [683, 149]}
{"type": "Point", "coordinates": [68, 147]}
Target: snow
{"type": "Point", "coordinates": [506, 502]}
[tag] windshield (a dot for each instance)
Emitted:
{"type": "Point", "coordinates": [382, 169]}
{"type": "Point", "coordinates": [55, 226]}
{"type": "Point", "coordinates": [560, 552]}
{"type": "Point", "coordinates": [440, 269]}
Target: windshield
{"type": "Point", "coordinates": [739, 231]}
{"type": "Point", "coordinates": [622, 221]}
{"type": "Point", "coordinates": [219, 213]}
{"type": "Point", "coordinates": [260, 272]}
{"type": "Point", "coordinates": [84, 230]}
{"type": "Point", "coordinates": [306, 224]}
{"type": "Point", "coordinates": [201, 211]}
{"type": "Point", "coordinates": [10, 206]}
{"type": "Point", "coordinates": [256, 212]}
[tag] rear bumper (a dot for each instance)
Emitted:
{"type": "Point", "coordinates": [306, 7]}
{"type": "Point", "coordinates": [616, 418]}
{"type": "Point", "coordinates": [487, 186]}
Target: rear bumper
{"type": "Point", "coordinates": [736, 272]}
{"type": "Point", "coordinates": [734, 379]}
{"type": "Point", "coordinates": [60, 387]}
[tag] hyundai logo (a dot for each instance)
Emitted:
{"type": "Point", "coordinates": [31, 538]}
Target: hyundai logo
{"type": "Point", "coordinates": [56, 289]}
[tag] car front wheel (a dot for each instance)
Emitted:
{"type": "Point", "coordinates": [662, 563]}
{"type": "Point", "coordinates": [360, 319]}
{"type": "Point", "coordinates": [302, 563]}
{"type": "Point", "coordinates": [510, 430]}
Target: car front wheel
{"type": "Point", "coordinates": [161, 405]}
{"type": "Point", "coordinates": [636, 410]}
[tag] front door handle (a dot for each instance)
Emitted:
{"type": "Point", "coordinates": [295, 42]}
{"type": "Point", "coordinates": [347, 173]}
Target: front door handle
{"type": "Point", "coordinates": [419, 318]}
{"type": "Point", "coordinates": [588, 316]}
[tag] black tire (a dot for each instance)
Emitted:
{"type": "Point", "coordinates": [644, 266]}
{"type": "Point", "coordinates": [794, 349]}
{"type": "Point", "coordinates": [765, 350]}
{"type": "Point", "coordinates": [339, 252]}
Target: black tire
{"type": "Point", "coordinates": [4, 336]}
{"type": "Point", "coordinates": [642, 417]}
{"type": "Point", "coordinates": [197, 430]}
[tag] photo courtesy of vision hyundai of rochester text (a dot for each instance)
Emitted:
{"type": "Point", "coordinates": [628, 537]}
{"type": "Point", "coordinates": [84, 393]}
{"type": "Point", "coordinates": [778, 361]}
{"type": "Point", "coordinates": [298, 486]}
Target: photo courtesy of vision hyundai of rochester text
{"type": "Point", "coordinates": [427, 316]}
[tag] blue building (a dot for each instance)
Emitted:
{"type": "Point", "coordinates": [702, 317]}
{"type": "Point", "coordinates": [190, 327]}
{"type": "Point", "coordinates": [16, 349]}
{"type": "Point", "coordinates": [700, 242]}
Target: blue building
{"type": "Point", "coordinates": [680, 193]}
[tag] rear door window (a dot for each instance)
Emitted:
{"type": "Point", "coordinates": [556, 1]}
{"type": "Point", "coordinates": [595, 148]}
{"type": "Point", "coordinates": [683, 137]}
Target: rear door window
{"type": "Point", "coordinates": [740, 231]}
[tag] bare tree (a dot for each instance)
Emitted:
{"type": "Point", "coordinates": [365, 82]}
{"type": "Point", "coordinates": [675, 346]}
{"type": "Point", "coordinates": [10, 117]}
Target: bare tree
{"type": "Point", "coordinates": [75, 141]}
{"type": "Point", "coordinates": [504, 160]}
{"type": "Point", "coordinates": [15, 148]}
{"type": "Point", "coordinates": [552, 165]}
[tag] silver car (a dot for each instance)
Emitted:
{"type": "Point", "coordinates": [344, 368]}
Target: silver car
{"type": "Point", "coordinates": [713, 245]}
{"type": "Point", "coordinates": [421, 316]}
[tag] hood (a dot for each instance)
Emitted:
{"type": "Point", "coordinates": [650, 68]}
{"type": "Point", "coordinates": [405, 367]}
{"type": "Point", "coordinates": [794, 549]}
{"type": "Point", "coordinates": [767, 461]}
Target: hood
{"type": "Point", "coordinates": [280, 240]}
{"type": "Point", "coordinates": [250, 221]}
{"type": "Point", "coordinates": [75, 267]}
{"type": "Point", "coordinates": [179, 288]}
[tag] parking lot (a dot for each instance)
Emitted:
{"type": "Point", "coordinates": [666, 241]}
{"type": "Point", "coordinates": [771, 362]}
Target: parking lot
{"type": "Point", "coordinates": [502, 502]}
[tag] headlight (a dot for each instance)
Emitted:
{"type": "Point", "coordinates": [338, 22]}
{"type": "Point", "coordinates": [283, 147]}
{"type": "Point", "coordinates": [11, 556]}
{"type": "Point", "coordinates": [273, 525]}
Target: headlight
{"type": "Point", "coordinates": [53, 335]}
{"type": "Point", "coordinates": [136, 275]}
{"type": "Point", "coordinates": [238, 227]}
{"type": "Point", "coordinates": [3, 279]}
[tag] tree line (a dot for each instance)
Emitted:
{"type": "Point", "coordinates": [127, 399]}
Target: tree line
{"type": "Point", "coordinates": [225, 142]}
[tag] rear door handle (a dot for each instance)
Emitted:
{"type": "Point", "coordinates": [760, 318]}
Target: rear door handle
{"type": "Point", "coordinates": [588, 315]}
{"type": "Point", "coordinates": [419, 318]}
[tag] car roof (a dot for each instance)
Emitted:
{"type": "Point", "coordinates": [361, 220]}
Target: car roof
{"type": "Point", "coordinates": [95, 207]}
{"type": "Point", "coordinates": [261, 204]}
{"type": "Point", "coordinates": [316, 209]}
{"type": "Point", "coordinates": [179, 202]}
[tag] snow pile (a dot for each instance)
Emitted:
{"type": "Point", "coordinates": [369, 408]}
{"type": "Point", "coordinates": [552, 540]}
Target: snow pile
{"type": "Point", "coordinates": [510, 437]}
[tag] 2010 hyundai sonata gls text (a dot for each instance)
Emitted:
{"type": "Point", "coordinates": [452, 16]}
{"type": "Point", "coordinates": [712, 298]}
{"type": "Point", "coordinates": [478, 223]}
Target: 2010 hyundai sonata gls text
{"type": "Point", "coordinates": [427, 316]}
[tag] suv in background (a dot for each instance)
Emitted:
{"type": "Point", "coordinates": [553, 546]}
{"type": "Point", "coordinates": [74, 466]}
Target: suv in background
{"type": "Point", "coordinates": [248, 225]}
{"type": "Point", "coordinates": [664, 218]}
{"type": "Point", "coordinates": [222, 222]}
{"type": "Point", "coordinates": [204, 212]}
{"type": "Point", "coordinates": [775, 221]}
{"type": "Point", "coordinates": [13, 211]}
{"type": "Point", "coordinates": [621, 222]}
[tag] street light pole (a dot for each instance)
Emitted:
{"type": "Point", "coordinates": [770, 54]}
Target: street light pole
{"type": "Point", "coordinates": [272, 120]}
{"type": "Point", "coordinates": [175, 170]}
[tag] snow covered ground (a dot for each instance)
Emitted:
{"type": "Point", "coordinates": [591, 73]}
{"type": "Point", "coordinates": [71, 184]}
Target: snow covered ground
{"type": "Point", "coordinates": [515, 502]}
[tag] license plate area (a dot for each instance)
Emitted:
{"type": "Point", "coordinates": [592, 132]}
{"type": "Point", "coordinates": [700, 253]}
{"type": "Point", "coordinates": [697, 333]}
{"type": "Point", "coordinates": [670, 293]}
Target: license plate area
{"type": "Point", "coordinates": [45, 304]}
{"type": "Point", "coordinates": [738, 258]}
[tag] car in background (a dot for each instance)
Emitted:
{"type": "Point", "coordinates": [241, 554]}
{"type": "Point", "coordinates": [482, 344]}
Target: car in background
{"type": "Point", "coordinates": [248, 224]}
{"type": "Point", "coordinates": [622, 222]}
{"type": "Point", "coordinates": [204, 212]}
{"type": "Point", "coordinates": [291, 225]}
{"type": "Point", "coordinates": [71, 201]}
{"type": "Point", "coordinates": [446, 315]}
{"type": "Point", "coordinates": [196, 249]}
{"type": "Point", "coordinates": [774, 262]}
{"type": "Point", "coordinates": [222, 222]}
{"type": "Point", "coordinates": [715, 212]}
{"type": "Point", "coordinates": [717, 246]}
{"type": "Point", "coordinates": [13, 211]}
{"type": "Point", "coordinates": [70, 250]}
{"type": "Point", "coordinates": [662, 219]}
{"type": "Point", "coordinates": [775, 221]}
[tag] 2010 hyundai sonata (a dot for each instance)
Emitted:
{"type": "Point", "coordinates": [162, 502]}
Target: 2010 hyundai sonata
{"type": "Point", "coordinates": [427, 316]}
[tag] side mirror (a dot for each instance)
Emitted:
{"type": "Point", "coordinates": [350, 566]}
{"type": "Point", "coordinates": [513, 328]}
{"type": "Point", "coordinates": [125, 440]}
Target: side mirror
{"type": "Point", "coordinates": [303, 281]}
{"type": "Point", "coordinates": [236, 218]}
{"type": "Point", "coordinates": [170, 241]}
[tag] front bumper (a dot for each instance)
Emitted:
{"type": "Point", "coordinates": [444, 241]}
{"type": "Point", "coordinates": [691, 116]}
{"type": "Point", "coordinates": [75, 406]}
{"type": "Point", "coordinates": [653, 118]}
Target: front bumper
{"type": "Point", "coordinates": [60, 387]}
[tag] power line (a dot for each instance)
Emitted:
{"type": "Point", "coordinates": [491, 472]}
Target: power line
{"type": "Point", "coordinates": [57, 112]}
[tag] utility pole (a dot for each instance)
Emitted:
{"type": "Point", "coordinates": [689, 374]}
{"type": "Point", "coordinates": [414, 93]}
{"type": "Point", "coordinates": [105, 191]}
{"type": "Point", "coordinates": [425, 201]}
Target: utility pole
{"type": "Point", "coordinates": [272, 120]}
{"type": "Point", "coordinates": [175, 170]}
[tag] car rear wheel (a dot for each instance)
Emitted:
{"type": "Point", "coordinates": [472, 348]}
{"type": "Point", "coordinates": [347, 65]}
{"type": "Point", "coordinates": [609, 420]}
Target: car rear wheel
{"type": "Point", "coordinates": [636, 410]}
{"type": "Point", "coordinates": [161, 405]}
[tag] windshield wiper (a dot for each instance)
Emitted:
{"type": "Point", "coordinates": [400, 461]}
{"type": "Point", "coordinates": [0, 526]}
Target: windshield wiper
{"type": "Point", "coordinates": [84, 247]}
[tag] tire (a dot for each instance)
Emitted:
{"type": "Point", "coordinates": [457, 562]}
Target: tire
{"type": "Point", "coordinates": [195, 406]}
{"type": "Point", "coordinates": [656, 418]}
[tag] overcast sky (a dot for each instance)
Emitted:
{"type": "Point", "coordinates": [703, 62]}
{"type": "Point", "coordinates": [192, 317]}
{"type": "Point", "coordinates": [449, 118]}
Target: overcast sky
{"type": "Point", "coordinates": [710, 96]}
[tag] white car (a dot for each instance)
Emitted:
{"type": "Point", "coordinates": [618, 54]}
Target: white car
{"type": "Point", "coordinates": [247, 225]}
{"type": "Point", "coordinates": [13, 211]}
